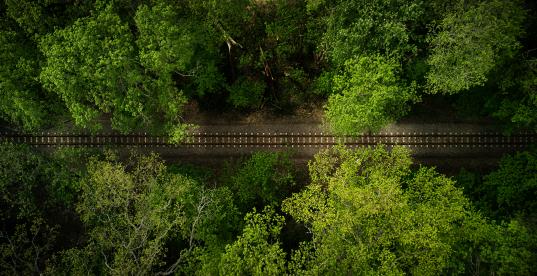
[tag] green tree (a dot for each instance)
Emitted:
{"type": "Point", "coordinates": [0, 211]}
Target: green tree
{"type": "Point", "coordinates": [246, 93]}
{"type": "Point", "coordinates": [97, 55]}
{"type": "Point", "coordinates": [36, 195]}
{"type": "Point", "coordinates": [512, 188]}
{"type": "Point", "coordinates": [265, 178]}
{"type": "Point", "coordinates": [37, 18]}
{"type": "Point", "coordinates": [257, 251]}
{"type": "Point", "coordinates": [507, 248]}
{"type": "Point", "coordinates": [174, 44]}
{"type": "Point", "coordinates": [356, 28]}
{"type": "Point", "coordinates": [368, 46]}
{"type": "Point", "coordinates": [507, 192]}
{"type": "Point", "coordinates": [131, 241]}
{"type": "Point", "coordinates": [368, 95]}
{"type": "Point", "coordinates": [23, 102]}
{"type": "Point", "coordinates": [134, 216]}
{"type": "Point", "coordinates": [516, 99]}
{"type": "Point", "coordinates": [26, 238]}
{"type": "Point", "coordinates": [471, 41]}
{"type": "Point", "coordinates": [357, 212]}
{"type": "Point", "coordinates": [369, 213]}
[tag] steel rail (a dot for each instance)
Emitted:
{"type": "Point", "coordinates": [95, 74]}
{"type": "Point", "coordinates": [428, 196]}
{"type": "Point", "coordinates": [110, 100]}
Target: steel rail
{"type": "Point", "coordinates": [277, 134]}
{"type": "Point", "coordinates": [249, 139]}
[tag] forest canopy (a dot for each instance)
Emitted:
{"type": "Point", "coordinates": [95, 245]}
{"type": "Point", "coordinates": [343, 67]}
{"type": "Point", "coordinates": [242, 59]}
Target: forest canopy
{"type": "Point", "coordinates": [363, 211]}
{"type": "Point", "coordinates": [142, 66]}
{"type": "Point", "coordinates": [369, 62]}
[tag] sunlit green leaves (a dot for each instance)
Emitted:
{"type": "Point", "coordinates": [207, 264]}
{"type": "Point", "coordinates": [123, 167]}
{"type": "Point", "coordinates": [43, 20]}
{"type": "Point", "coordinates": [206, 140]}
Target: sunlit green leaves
{"type": "Point", "coordinates": [97, 55]}
{"type": "Point", "coordinates": [470, 42]}
{"type": "Point", "coordinates": [22, 99]}
{"type": "Point", "coordinates": [94, 55]}
{"type": "Point", "coordinates": [257, 251]}
{"type": "Point", "coordinates": [368, 28]}
{"type": "Point", "coordinates": [369, 213]}
{"type": "Point", "coordinates": [368, 95]}
{"type": "Point", "coordinates": [131, 215]}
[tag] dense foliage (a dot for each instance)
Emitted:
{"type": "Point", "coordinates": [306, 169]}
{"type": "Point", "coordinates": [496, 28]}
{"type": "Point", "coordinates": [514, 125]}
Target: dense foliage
{"type": "Point", "coordinates": [368, 212]}
{"type": "Point", "coordinates": [23, 100]}
{"type": "Point", "coordinates": [471, 41]}
{"type": "Point", "coordinates": [136, 64]}
{"type": "Point", "coordinates": [139, 62]}
{"type": "Point", "coordinates": [38, 194]}
{"type": "Point", "coordinates": [263, 179]}
{"type": "Point", "coordinates": [370, 95]}
{"type": "Point", "coordinates": [509, 191]}
{"type": "Point", "coordinates": [365, 211]}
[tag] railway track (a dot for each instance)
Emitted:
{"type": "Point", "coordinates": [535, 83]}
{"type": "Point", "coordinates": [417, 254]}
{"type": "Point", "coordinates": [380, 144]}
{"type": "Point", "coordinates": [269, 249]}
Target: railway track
{"type": "Point", "coordinates": [282, 140]}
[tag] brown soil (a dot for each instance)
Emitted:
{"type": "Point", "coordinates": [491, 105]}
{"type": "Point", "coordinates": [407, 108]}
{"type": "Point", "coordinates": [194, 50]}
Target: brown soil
{"type": "Point", "coordinates": [309, 114]}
